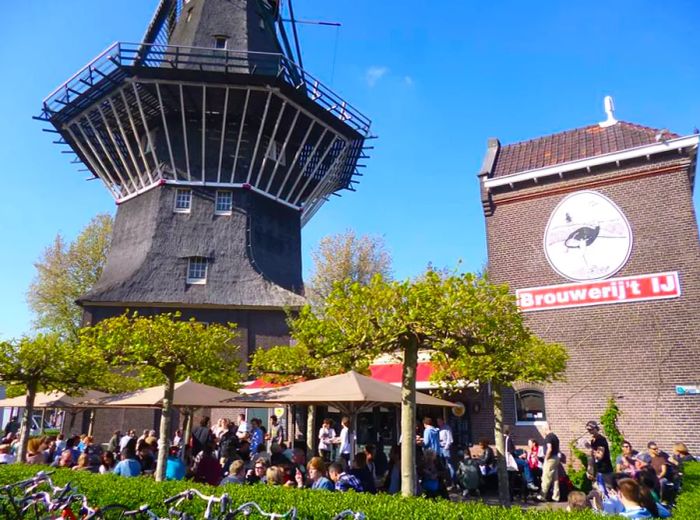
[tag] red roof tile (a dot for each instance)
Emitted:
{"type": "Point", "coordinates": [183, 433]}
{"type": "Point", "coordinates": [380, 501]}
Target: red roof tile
{"type": "Point", "coordinates": [572, 145]}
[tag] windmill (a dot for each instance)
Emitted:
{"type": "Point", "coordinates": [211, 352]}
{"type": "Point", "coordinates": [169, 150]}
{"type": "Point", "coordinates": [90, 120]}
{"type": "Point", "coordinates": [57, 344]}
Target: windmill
{"type": "Point", "coordinates": [217, 147]}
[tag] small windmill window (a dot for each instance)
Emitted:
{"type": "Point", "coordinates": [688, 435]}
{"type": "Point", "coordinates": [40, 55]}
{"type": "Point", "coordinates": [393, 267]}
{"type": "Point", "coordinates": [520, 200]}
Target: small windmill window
{"type": "Point", "coordinates": [220, 42]}
{"type": "Point", "coordinates": [274, 152]}
{"type": "Point", "coordinates": [197, 270]}
{"type": "Point", "coordinates": [224, 202]}
{"type": "Point", "coordinates": [183, 200]}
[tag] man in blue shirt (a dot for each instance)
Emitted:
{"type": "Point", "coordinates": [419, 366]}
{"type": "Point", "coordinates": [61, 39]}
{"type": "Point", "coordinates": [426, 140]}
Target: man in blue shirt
{"type": "Point", "coordinates": [431, 436]}
{"type": "Point", "coordinates": [256, 435]}
{"type": "Point", "coordinates": [129, 466]}
{"type": "Point", "coordinates": [174, 467]}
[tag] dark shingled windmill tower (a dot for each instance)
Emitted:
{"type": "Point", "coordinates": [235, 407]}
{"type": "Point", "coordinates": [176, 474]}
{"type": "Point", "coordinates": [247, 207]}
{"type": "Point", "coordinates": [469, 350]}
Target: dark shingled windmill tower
{"type": "Point", "coordinates": [218, 147]}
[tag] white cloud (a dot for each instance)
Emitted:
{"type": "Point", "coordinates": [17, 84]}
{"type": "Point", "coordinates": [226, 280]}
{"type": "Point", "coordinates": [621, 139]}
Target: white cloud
{"type": "Point", "coordinates": [374, 74]}
{"type": "Point", "coordinates": [408, 81]}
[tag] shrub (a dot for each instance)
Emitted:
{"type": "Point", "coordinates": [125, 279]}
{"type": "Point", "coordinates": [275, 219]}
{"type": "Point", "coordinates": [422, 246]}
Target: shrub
{"type": "Point", "coordinates": [610, 429]}
{"type": "Point", "coordinates": [316, 505]}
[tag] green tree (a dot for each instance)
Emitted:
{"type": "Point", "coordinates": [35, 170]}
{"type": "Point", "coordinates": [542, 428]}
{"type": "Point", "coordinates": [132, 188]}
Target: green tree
{"type": "Point", "coordinates": [65, 272]}
{"type": "Point", "coordinates": [346, 256]}
{"type": "Point", "coordinates": [608, 421]}
{"type": "Point", "coordinates": [472, 329]}
{"type": "Point", "coordinates": [165, 349]}
{"type": "Point", "coordinates": [46, 362]}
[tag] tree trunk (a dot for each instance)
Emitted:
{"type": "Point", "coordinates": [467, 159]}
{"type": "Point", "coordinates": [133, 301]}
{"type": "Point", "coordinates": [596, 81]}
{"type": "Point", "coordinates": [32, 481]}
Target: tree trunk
{"type": "Point", "coordinates": [310, 437]}
{"type": "Point", "coordinates": [186, 433]}
{"type": "Point", "coordinates": [26, 422]}
{"type": "Point", "coordinates": [503, 485]}
{"type": "Point", "coordinates": [408, 418]}
{"type": "Point", "coordinates": [164, 443]}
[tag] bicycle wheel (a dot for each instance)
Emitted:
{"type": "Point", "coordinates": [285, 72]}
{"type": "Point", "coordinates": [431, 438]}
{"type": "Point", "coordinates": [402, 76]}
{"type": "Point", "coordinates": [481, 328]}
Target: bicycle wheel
{"type": "Point", "coordinates": [111, 512]}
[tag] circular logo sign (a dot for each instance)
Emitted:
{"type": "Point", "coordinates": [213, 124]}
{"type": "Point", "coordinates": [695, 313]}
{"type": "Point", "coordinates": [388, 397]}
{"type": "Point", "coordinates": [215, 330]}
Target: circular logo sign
{"type": "Point", "coordinates": [587, 237]}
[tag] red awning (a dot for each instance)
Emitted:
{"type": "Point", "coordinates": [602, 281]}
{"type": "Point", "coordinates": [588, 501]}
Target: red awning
{"type": "Point", "coordinates": [385, 372]}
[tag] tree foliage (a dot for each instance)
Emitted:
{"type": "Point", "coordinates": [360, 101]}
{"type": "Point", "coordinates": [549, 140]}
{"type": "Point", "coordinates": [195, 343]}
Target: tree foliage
{"type": "Point", "coordinates": [65, 272]}
{"type": "Point", "coordinates": [608, 421]}
{"type": "Point", "coordinates": [472, 329]}
{"type": "Point", "coordinates": [47, 362]}
{"type": "Point", "coordinates": [164, 349]}
{"type": "Point", "coordinates": [346, 256]}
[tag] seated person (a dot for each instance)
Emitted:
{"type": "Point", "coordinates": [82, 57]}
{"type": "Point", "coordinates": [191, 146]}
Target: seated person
{"type": "Point", "coordinates": [487, 459]}
{"type": "Point", "coordinates": [468, 474]}
{"type": "Point", "coordinates": [360, 471]}
{"type": "Point", "coordinates": [236, 473]}
{"type": "Point", "coordinates": [175, 469]}
{"type": "Point", "coordinates": [626, 462]}
{"type": "Point", "coordinates": [577, 501]}
{"type": "Point", "coordinates": [343, 481]}
{"type": "Point", "coordinates": [257, 474]}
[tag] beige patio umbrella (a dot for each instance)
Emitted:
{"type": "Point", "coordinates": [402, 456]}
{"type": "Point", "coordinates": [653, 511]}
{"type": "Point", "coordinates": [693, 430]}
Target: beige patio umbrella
{"type": "Point", "coordinates": [52, 400]}
{"type": "Point", "coordinates": [47, 400]}
{"type": "Point", "coordinates": [350, 393]}
{"type": "Point", "coordinates": [188, 394]}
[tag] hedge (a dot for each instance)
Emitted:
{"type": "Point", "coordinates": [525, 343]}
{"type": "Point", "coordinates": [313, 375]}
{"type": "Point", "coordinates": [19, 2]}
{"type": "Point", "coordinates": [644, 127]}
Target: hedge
{"type": "Point", "coordinates": [316, 505]}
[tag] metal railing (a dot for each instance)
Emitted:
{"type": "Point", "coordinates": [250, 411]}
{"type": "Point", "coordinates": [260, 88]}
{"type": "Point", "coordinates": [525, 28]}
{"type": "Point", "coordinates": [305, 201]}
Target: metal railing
{"type": "Point", "coordinates": [107, 66]}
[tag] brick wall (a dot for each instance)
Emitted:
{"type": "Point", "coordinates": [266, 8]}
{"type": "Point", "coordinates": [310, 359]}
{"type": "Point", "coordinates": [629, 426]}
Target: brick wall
{"type": "Point", "coordinates": [637, 352]}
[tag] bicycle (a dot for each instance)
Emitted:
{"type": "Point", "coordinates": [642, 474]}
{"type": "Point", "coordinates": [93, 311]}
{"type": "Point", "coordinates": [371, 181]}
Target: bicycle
{"type": "Point", "coordinates": [11, 505]}
{"type": "Point", "coordinates": [247, 509]}
{"type": "Point", "coordinates": [349, 513]}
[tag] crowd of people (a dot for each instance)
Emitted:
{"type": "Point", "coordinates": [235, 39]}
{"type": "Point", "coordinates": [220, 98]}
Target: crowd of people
{"type": "Point", "coordinates": [636, 484]}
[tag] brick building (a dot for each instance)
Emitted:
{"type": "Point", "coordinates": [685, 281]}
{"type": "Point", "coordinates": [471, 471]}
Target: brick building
{"type": "Point", "coordinates": [594, 229]}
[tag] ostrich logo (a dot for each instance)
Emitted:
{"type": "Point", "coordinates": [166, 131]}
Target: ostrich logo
{"type": "Point", "coordinates": [587, 237]}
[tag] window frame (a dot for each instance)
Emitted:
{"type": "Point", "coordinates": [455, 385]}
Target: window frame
{"type": "Point", "coordinates": [217, 39]}
{"type": "Point", "coordinates": [197, 280]}
{"type": "Point", "coordinates": [517, 396]}
{"type": "Point", "coordinates": [177, 209]}
{"type": "Point", "coordinates": [218, 211]}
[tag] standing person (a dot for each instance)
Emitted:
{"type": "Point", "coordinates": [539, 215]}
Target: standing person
{"type": "Point", "coordinates": [346, 441]}
{"type": "Point", "coordinates": [602, 462]}
{"type": "Point", "coordinates": [326, 438]}
{"type": "Point", "coordinates": [201, 436]}
{"type": "Point", "coordinates": [228, 446]}
{"type": "Point", "coordinates": [431, 436]}
{"type": "Point", "coordinates": [446, 440]}
{"type": "Point", "coordinates": [550, 470]}
{"type": "Point", "coordinates": [128, 436]}
{"type": "Point", "coordinates": [243, 428]}
{"type": "Point", "coordinates": [12, 426]}
{"type": "Point", "coordinates": [256, 435]}
{"type": "Point", "coordinates": [114, 441]}
{"type": "Point", "coordinates": [276, 434]}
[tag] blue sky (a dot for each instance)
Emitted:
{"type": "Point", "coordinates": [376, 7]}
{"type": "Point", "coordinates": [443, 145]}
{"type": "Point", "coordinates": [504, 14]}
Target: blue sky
{"type": "Point", "coordinates": [437, 79]}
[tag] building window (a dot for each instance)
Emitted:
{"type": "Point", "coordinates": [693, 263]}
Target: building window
{"type": "Point", "coordinates": [189, 15]}
{"type": "Point", "coordinates": [275, 153]}
{"type": "Point", "coordinates": [224, 202]}
{"type": "Point", "coordinates": [197, 270]}
{"type": "Point", "coordinates": [529, 406]}
{"type": "Point", "coordinates": [220, 42]}
{"type": "Point", "coordinates": [183, 200]}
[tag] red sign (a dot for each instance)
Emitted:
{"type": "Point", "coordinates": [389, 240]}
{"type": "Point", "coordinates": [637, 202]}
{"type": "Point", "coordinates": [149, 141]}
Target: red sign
{"type": "Point", "coordinates": [613, 290]}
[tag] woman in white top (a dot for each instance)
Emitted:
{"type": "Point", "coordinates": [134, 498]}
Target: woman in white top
{"type": "Point", "coordinates": [326, 439]}
{"type": "Point", "coordinates": [346, 441]}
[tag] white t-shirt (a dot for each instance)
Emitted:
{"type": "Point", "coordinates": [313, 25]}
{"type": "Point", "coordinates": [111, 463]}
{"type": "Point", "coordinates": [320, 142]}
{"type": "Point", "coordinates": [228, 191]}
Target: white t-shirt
{"type": "Point", "coordinates": [346, 441]}
{"type": "Point", "coordinates": [242, 429]}
{"type": "Point", "coordinates": [325, 438]}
